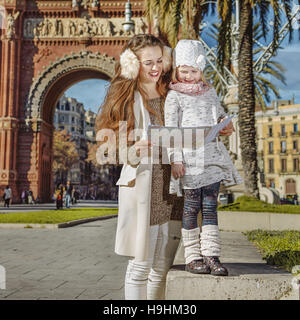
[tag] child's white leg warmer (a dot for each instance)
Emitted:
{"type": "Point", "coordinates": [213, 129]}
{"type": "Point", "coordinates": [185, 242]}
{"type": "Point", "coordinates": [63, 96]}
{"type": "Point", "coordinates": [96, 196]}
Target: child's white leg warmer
{"type": "Point", "coordinates": [210, 241]}
{"type": "Point", "coordinates": [191, 243]}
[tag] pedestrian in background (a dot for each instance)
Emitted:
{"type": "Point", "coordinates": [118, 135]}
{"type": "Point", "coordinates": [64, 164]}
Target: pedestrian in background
{"type": "Point", "coordinates": [30, 197]}
{"type": "Point", "coordinates": [59, 194]}
{"type": "Point", "coordinates": [295, 198]}
{"type": "Point", "coordinates": [68, 194]}
{"type": "Point", "coordinates": [23, 196]}
{"type": "Point", "coordinates": [7, 196]}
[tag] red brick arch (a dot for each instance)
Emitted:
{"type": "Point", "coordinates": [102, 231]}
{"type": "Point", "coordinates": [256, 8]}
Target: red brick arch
{"type": "Point", "coordinates": [42, 55]}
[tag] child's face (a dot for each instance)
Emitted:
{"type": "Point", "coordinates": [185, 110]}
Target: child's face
{"type": "Point", "coordinates": [188, 74]}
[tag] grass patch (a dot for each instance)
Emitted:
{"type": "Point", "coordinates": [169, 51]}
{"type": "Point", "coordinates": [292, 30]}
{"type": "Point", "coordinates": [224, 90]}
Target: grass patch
{"type": "Point", "coordinates": [56, 216]}
{"type": "Point", "coordinates": [280, 248]}
{"type": "Point", "coordinates": [245, 203]}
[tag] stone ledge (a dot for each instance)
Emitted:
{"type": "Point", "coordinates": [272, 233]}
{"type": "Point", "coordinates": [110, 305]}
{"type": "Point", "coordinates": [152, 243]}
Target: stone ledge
{"type": "Point", "coordinates": [250, 278]}
{"type": "Point", "coordinates": [245, 282]}
{"type": "Point", "coordinates": [247, 221]}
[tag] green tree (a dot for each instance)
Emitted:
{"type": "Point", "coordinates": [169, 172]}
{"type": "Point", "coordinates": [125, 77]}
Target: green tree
{"type": "Point", "coordinates": [173, 17]}
{"type": "Point", "coordinates": [65, 154]}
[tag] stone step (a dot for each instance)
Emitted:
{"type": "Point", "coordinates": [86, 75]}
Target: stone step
{"type": "Point", "coordinates": [250, 278]}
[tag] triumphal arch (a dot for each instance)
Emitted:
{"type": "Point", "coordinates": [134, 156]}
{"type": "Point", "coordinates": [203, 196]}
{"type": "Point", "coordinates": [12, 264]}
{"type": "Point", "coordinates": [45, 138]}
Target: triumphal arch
{"type": "Point", "coordinates": [47, 46]}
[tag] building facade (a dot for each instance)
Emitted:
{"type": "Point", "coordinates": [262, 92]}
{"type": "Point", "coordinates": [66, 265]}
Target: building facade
{"type": "Point", "coordinates": [71, 116]}
{"type": "Point", "coordinates": [278, 146]}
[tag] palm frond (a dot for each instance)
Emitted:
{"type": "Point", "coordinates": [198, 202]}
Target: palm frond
{"type": "Point", "coordinates": [263, 11]}
{"type": "Point", "coordinates": [224, 39]}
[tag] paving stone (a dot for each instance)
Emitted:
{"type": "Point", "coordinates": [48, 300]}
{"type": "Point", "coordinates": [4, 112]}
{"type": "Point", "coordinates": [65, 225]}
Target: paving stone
{"type": "Point", "coordinates": [93, 294]}
{"type": "Point", "coordinates": [62, 263]}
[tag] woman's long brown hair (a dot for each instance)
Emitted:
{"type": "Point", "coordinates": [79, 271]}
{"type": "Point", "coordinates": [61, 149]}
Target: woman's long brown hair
{"type": "Point", "coordinates": [119, 101]}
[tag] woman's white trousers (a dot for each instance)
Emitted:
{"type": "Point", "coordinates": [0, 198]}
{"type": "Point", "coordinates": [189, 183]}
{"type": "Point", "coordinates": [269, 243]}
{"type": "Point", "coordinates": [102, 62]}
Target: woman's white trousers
{"type": "Point", "coordinates": [146, 280]}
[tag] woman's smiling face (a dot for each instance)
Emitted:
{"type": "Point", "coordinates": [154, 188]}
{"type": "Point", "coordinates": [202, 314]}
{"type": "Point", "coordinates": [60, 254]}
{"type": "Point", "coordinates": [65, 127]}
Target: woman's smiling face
{"type": "Point", "coordinates": [151, 64]}
{"type": "Point", "coordinates": [187, 74]}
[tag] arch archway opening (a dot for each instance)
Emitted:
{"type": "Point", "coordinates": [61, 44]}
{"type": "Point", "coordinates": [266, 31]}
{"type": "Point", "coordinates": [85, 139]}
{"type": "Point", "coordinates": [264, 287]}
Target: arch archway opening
{"type": "Point", "coordinates": [84, 170]}
{"type": "Point", "coordinates": [61, 85]}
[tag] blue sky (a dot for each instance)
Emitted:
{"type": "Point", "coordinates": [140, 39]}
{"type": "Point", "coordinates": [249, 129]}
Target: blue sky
{"type": "Point", "coordinates": [289, 57]}
{"type": "Point", "coordinates": [92, 92]}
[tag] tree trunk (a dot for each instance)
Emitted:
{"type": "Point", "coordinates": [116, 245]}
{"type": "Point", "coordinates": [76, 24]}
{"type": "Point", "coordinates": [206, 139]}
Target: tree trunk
{"type": "Point", "coordinates": [247, 101]}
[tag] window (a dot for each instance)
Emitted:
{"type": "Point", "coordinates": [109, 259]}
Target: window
{"type": "Point", "coordinates": [296, 164]}
{"type": "Point", "coordinates": [73, 129]}
{"type": "Point", "coordinates": [67, 106]}
{"type": "Point", "coordinates": [270, 147]}
{"type": "Point", "coordinates": [283, 165]}
{"type": "Point", "coordinates": [72, 108]}
{"type": "Point", "coordinates": [295, 127]}
{"type": "Point", "coordinates": [73, 119]}
{"type": "Point", "coordinates": [270, 131]}
{"type": "Point", "coordinates": [290, 186]}
{"type": "Point", "coordinates": [283, 130]}
{"type": "Point", "coordinates": [271, 165]}
{"type": "Point", "coordinates": [295, 145]}
{"type": "Point", "coordinates": [283, 146]}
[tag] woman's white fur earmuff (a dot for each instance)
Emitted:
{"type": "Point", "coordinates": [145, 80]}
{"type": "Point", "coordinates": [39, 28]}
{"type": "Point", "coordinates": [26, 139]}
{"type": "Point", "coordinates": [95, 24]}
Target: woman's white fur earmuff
{"type": "Point", "coordinates": [130, 64]}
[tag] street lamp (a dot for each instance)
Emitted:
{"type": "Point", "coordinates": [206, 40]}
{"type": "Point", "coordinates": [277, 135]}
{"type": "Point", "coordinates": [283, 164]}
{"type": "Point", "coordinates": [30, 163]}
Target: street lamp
{"type": "Point", "coordinates": [128, 25]}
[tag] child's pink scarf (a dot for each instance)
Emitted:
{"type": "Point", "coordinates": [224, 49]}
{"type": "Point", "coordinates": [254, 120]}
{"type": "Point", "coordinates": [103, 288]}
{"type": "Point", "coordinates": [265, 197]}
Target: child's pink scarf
{"type": "Point", "coordinates": [190, 88]}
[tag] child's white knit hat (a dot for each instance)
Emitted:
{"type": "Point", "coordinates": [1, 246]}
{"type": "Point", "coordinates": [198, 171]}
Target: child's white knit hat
{"type": "Point", "coordinates": [189, 53]}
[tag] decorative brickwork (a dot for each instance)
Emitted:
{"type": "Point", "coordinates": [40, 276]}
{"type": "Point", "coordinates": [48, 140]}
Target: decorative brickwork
{"type": "Point", "coordinates": [46, 47]}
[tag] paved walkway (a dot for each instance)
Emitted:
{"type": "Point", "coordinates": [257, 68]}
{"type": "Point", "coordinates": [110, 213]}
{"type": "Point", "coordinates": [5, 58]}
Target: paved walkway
{"type": "Point", "coordinates": [52, 206]}
{"type": "Point", "coordinates": [71, 263]}
{"type": "Point", "coordinates": [79, 263]}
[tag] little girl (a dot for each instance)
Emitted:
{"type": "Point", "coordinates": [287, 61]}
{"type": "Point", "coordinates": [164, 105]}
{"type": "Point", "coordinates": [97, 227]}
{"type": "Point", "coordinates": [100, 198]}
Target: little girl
{"type": "Point", "coordinates": [192, 102]}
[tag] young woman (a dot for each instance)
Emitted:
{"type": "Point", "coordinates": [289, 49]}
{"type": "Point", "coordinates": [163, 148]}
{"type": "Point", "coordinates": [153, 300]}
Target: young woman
{"type": "Point", "coordinates": [149, 219]}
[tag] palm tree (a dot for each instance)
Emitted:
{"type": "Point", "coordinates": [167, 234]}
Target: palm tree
{"type": "Point", "coordinates": [173, 17]}
{"type": "Point", "coordinates": [246, 79]}
{"type": "Point", "coordinates": [262, 86]}
{"type": "Point", "coordinates": [172, 13]}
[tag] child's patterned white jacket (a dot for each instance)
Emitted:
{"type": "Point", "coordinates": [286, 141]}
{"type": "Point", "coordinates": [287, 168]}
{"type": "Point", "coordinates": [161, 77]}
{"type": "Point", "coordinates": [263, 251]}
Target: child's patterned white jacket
{"type": "Point", "coordinates": [190, 110]}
